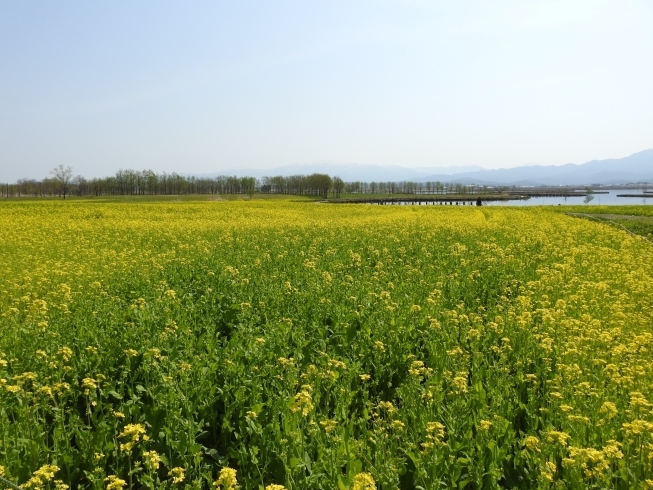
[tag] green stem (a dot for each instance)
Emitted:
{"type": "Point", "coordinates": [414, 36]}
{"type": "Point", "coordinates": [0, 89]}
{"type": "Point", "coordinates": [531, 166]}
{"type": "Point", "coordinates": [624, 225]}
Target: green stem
{"type": "Point", "coordinates": [9, 484]}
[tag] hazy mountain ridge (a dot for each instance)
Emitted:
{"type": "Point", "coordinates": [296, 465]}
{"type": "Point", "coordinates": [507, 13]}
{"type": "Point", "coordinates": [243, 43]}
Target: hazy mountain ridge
{"type": "Point", "coordinates": [634, 168]}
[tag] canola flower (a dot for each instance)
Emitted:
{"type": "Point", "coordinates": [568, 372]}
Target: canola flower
{"type": "Point", "coordinates": [303, 401]}
{"type": "Point", "coordinates": [435, 433]}
{"type": "Point", "coordinates": [532, 443]}
{"type": "Point", "coordinates": [89, 384]}
{"type": "Point", "coordinates": [251, 415]}
{"type": "Point", "coordinates": [227, 479]}
{"type": "Point", "coordinates": [178, 474]}
{"type": "Point", "coordinates": [285, 333]}
{"type": "Point", "coordinates": [152, 460]}
{"type": "Point", "coordinates": [364, 481]}
{"type": "Point", "coordinates": [484, 425]}
{"type": "Point", "coordinates": [114, 483]}
{"type": "Point", "coordinates": [328, 425]}
{"type": "Point", "coordinates": [42, 476]}
{"type": "Point", "coordinates": [133, 433]}
{"type": "Point", "coordinates": [549, 471]}
{"type": "Point", "coordinates": [557, 437]}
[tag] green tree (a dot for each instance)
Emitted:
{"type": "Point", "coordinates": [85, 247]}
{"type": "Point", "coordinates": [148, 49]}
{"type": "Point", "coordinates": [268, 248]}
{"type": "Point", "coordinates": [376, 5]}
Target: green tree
{"type": "Point", "coordinates": [338, 185]}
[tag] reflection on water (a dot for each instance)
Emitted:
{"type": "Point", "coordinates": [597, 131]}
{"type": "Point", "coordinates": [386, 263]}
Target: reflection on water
{"type": "Point", "coordinates": [599, 199]}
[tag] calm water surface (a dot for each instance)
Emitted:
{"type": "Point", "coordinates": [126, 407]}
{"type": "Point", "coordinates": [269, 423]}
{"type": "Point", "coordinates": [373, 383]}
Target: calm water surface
{"type": "Point", "coordinates": [599, 199]}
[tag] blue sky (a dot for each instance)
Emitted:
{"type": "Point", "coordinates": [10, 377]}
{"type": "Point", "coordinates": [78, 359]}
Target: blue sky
{"type": "Point", "coordinates": [217, 86]}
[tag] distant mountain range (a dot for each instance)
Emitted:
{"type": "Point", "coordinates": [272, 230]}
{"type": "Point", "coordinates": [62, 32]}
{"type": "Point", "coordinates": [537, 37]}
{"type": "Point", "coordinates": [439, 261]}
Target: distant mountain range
{"type": "Point", "coordinates": [631, 169]}
{"type": "Point", "coordinates": [634, 168]}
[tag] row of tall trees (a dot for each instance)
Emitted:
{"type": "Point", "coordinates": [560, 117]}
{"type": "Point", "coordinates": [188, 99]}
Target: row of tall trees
{"type": "Point", "coordinates": [129, 182]}
{"type": "Point", "coordinates": [406, 187]}
{"type": "Point", "coordinates": [314, 185]}
{"type": "Point", "coordinates": [62, 182]}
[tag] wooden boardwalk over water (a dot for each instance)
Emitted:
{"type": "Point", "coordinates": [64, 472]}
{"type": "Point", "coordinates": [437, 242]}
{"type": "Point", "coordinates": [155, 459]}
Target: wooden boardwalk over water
{"type": "Point", "coordinates": [424, 200]}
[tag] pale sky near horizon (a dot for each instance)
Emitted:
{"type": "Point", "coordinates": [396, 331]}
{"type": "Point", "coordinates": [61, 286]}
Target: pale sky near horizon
{"type": "Point", "coordinates": [215, 86]}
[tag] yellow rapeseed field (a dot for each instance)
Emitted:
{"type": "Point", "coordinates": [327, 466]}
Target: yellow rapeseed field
{"type": "Point", "coordinates": [273, 344]}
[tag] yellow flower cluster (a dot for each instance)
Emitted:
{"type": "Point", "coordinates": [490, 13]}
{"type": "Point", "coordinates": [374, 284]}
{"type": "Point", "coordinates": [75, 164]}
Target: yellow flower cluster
{"type": "Point", "coordinates": [152, 460]}
{"type": "Point", "coordinates": [303, 401]}
{"type": "Point", "coordinates": [435, 433]}
{"type": "Point", "coordinates": [132, 432]}
{"type": "Point", "coordinates": [114, 483]}
{"type": "Point", "coordinates": [328, 425]}
{"type": "Point", "coordinates": [594, 463]}
{"type": "Point", "coordinates": [364, 481]}
{"type": "Point", "coordinates": [178, 474]}
{"type": "Point", "coordinates": [42, 476]}
{"type": "Point", "coordinates": [532, 443]}
{"type": "Point", "coordinates": [227, 479]}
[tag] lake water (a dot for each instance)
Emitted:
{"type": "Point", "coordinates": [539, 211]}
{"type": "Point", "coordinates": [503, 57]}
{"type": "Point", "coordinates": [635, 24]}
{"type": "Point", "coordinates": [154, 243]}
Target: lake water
{"type": "Point", "coordinates": [599, 199]}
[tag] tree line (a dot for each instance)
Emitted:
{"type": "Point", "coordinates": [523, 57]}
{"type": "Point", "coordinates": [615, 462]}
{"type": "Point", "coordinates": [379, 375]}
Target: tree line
{"type": "Point", "coordinates": [62, 182]}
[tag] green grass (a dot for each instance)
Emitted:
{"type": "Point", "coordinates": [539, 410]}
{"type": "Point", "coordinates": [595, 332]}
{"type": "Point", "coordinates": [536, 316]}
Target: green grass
{"type": "Point", "coordinates": [631, 210]}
